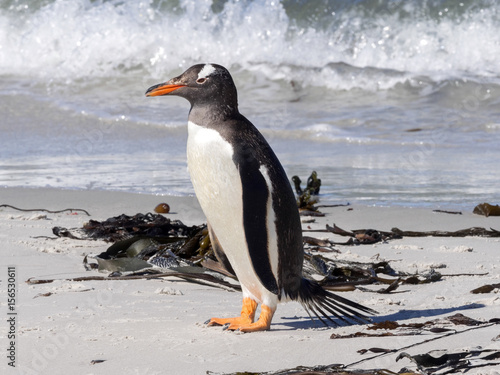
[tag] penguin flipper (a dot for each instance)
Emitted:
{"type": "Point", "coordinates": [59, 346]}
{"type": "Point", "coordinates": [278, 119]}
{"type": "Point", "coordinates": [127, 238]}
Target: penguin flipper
{"type": "Point", "coordinates": [219, 251]}
{"type": "Point", "coordinates": [324, 304]}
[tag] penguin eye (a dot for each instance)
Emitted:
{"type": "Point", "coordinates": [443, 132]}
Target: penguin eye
{"type": "Point", "coordinates": [201, 80]}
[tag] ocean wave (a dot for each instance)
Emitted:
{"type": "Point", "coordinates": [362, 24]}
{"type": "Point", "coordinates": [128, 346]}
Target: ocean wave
{"type": "Point", "coordinates": [371, 44]}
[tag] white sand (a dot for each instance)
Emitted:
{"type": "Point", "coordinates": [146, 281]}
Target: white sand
{"type": "Point", "coordinates": [156, 327]}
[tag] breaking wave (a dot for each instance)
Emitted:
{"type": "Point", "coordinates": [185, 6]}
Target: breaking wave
{"type": "Point", "coordinates": [369, 44]}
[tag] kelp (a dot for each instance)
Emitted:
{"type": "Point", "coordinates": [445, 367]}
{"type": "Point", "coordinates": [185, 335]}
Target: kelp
{"type": "Point", "coordinates": [339, 273]}
{"type": "Point", "coordinates": [488, 288]}
{"type": "Point", "coordinates": [200, 278]}
{"type": "Point", "coordinates": [335, 369]}
{"type": "Point", "coordinates": [435, 330]}
{"type": "Point", "coordinates": [150, 240]}
{"type": "Point", "coordinates": [71, 210]}
{"type": "Point", "coordinates": [150, 225]}
{"type": "Point", "coordinates": [448, 212]}
{"type": "Point", "coordinates": [434, 362]}
{"type": "Point", "coordinates": [452, 362]}
{"type": "Point", "coordinates": [487, 209]}
{"type": "Point", "coordinates": [305, 199]}
{"type": "Point", "coordinates": [442, 325]}
{"type": "Point", "coordinates": [371, 236]}
{"type": "Point", "coordinates": [313, 184]}
{"type": "Point", "coordinates": [474, 231]}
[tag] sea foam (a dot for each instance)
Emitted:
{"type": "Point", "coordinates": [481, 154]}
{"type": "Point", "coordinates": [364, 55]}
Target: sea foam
{"type": "Point", "coordinates": [64, 40]}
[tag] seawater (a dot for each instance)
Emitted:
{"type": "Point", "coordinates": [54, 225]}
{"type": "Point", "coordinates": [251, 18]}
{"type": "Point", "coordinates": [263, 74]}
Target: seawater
{"type": "Point", "coordinates": [391, 102]}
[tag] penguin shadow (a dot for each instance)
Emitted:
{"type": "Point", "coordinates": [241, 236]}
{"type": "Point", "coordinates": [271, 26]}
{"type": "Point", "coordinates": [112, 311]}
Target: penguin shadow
{"type": "Point", "coordinates": [426, 313]}
{"type": "Point", "coordinates": [299, 323]}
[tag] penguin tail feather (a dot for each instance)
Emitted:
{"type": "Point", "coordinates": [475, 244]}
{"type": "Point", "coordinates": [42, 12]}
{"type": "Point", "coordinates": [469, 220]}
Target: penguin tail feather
{"type": "Point", "coordinates": [324, 304]}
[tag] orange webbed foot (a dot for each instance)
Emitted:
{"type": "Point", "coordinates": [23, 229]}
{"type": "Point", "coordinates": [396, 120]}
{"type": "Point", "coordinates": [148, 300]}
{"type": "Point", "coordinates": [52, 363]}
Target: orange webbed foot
{"type": "Point", "coordinates": [263, 324]}
{"type": "Point", "coordinates": [246, 325]}
{"type": "Point", "coordinates": [247, 315]}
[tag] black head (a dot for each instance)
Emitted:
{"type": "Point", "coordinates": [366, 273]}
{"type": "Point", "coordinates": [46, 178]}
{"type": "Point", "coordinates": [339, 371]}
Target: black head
{"type": "Point", "coordinates": [202, 84]}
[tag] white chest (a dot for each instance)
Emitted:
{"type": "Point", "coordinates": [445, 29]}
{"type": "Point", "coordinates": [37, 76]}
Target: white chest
{"type": "Point", "coordinates": [213, 173]}
{"type": "Point", "coordinates": [217, 185]}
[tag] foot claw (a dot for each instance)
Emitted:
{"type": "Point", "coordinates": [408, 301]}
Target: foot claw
{"type": "Point", "coordinates": [213, 323]}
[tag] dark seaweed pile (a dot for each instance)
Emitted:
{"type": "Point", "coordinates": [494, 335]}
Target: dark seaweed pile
{"type": "Point", "coordinates": [153, 240]}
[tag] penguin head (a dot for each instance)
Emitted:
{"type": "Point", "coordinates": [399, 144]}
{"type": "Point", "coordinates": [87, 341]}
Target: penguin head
{"type": "Point", "coordinates": [202, 84]}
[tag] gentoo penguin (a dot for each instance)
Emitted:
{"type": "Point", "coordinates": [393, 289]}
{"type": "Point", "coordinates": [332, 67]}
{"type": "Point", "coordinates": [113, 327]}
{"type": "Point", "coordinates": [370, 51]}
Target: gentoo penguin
{"type": "Point", "coordinates": [249, 204]}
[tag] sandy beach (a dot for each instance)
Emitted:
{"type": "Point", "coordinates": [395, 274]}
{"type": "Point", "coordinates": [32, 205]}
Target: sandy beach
{"type": "Point", "coordinates": [157, 326]}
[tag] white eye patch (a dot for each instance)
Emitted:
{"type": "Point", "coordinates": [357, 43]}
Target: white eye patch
{"type": "Point", "coordinates": [206, 71]}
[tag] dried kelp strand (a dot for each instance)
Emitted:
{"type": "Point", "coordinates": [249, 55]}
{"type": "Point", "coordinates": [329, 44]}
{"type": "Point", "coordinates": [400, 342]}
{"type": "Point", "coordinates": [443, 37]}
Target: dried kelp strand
{"type": "Point", "coordinates": [440, 330]}
{"type": "Point", "coordinates": [45, 210]}
{"type": "Point", "coordinates": [486, 209]}
{"type": "Point", "coordinates": [485, 288]}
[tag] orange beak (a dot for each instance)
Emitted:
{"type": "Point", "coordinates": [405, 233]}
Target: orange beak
{"type": "Point", "coordinates": [162, 89]}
